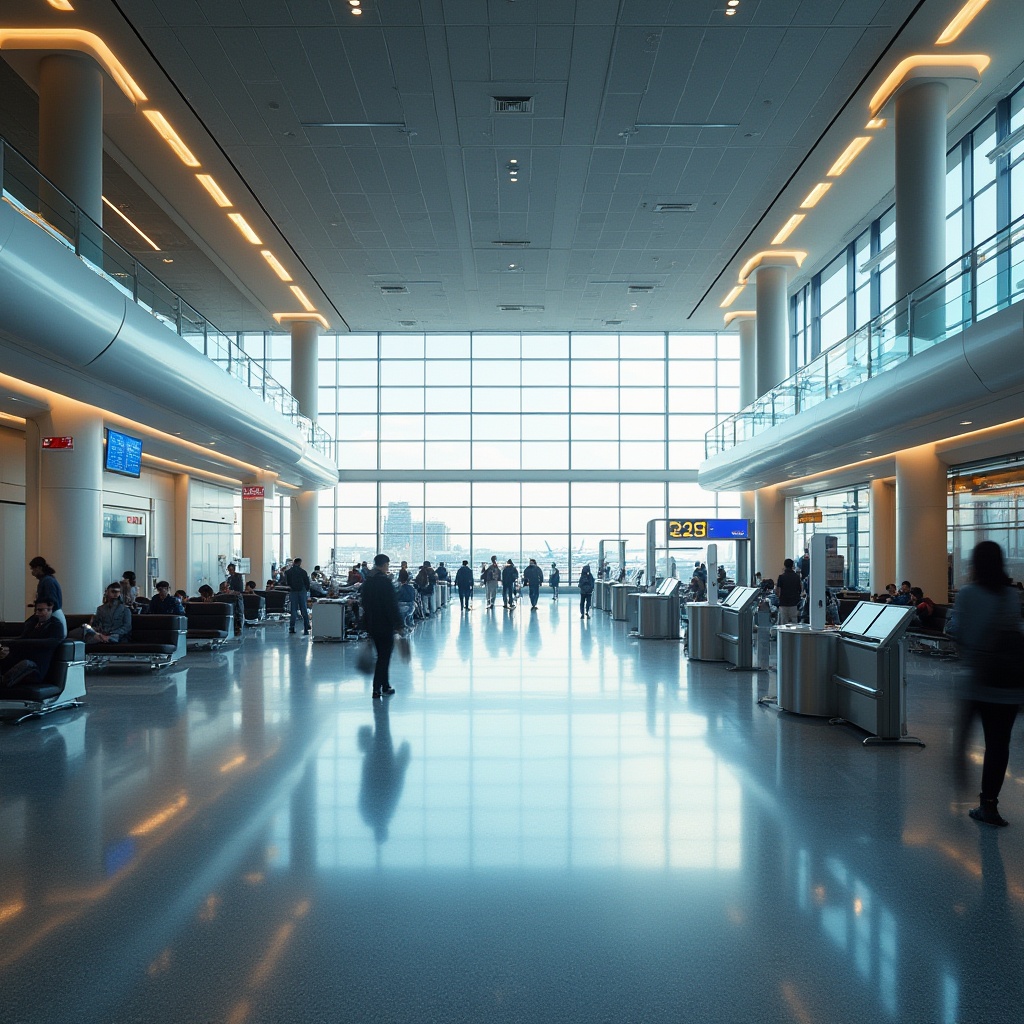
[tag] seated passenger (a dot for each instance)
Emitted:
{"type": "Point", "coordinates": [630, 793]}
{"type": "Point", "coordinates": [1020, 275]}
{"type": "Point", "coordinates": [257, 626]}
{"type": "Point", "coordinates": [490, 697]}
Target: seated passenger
{"type": "Point", "coordinates": [269, 585]}
{"type": "Point", "coordinates": [250, 587]}
{"type": "Point", "coordinates": [206, 594]}
{"type": "Point", "coordinates": [112, 622]}
{"type": "Point", "coordinates": [355, 577]}
{"type": "Point", "coordinates": [182, 596]}
{"type": "Point", "coordinates": [903, 596]}
{"type": "Point", "coordinates": [42, 625]}
{"type": "Point", "coordinates": [129, 589]}
{"type": "Point", "coordinates": [164, 602]}
{"type": "Point", "coordinates": [924, 606]}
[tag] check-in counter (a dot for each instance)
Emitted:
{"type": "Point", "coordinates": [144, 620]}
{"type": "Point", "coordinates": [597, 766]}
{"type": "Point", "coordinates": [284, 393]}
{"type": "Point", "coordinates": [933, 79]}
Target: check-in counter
{"type": "Point", "coordinates": [606, 596]}
{"type": "Point", "coordinates": [633, 611]}
{"type": "Point", "coordinates": [703, 633]}
{"type": "Point", "coordinates": [600, 586]}
{"type": "Point", "coordinates": [620, 591]}
{"type": "Point", "coordinates": [807, 663]}
{"type": "Point", "coordinates": [658, 614]}
{"type": "Point", "coordinates": [737, 628]}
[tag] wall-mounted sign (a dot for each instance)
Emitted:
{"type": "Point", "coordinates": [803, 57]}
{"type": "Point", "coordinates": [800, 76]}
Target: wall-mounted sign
{"type": "Point", "coordinates": [708, 529]}
{"type": "Point", "coordinates": [124, 524]}
{"type": "Point", "coordinates": [252, 492]}
{"type": "Point", "coordinates": [813, 515]}
{"type": "Point", "coordinates": [55, 444]}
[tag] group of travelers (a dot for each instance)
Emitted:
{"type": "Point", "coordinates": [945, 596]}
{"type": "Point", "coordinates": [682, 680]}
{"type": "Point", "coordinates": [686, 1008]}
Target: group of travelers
{"type": "Point", "coordinates": [493, 575]}
{"type": "Point", "coordinates": [906, 596]}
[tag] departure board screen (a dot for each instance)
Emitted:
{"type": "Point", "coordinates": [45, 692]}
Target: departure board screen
{"type": "Point", "coordinates": [708, 529]}
{"type": "Point", "coordinates": [123, 454]}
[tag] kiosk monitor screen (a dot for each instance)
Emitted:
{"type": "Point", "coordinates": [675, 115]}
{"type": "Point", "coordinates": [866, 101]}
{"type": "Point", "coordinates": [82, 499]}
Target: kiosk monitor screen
{"type": "Point", "coordinates": [889, 620]}
{"type": "Point", "coordinates": [123, 454]}
{"type": "Point", "coordinates": [858, 622]}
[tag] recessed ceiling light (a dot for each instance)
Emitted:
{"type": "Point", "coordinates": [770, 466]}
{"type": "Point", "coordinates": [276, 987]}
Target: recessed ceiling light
{"type": "Point", "coordinates": [216, 192]}
{"type": "Point", "coordinates": [171, 137]}
{"type": "Point", "coordinates": [788, 228]}
{"type": "Point", "coordinates": [964, 17]}
{"type": "Point", "coordinates": [168, 260]}
{"type": "Point", "coordinates": [731, 11]}
{"type": "Point", "coordinates": [135, 227]}
{"type": "Point", "coordinates": [243, 225]}
{"type": "Point", "coordinates": [275, 264]}
{"type": "Point", "coordinates": [848, 155]}
{"type": "Point", "coordinates": [966, 423]}
{"type": "Point", "coordinates": [815, 194]}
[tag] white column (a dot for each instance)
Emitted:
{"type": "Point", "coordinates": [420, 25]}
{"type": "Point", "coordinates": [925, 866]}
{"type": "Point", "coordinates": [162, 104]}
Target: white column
{"type": "Point", "coordinates": [921, 521]}
{"type": "Point", "coordinates": [305, 506]}
{"type": "Point", "coordinates": [71, 129]}
{"type": "Point", "coordinates": [770, 531]}
{"type": "Point", "coordinates": [71, 503]}
{"type": "Point", "coordinates": [181, 579]}
{"type": "Point", "coordinates": [748, 360]}
{"type": "Point", "coordinates": [882, 521]}
{"type": "Point", "coordinates": [920, 183]}
{"type": "Point", "coordinates": [772, 326]}
{"type": "Point", "coordinates": [256, 545]}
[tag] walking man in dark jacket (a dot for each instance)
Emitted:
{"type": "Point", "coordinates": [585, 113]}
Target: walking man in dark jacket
{"type": "Point", "coordinates": [380, 613]}
{"type": "Point", "coordinates": [509, 575]}
{"type": "Point", "coordinates": [533, 577]}
{"type": "Point", "coordinates": [298, 586]}
{"type": "Point", "coordinates": [464, 585]}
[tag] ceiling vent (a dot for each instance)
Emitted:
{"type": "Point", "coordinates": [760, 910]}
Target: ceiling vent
{"type": "Point", "coordinates": [393, 289]}
{"type": "Point", "coordinates": [674, 207]}
{"type": "Point", "coordinates": [407, 323]}
{"type": "Point", "coordinates": [612, 323]}
{"type": "Point", "coordinates": [511, 104]}
{"type": "Point", "coordinates": [509, 244]}
{"type": "Point", "coordinates": [521, 309]}
{"type": "Point", "coordinates": [640, 289]}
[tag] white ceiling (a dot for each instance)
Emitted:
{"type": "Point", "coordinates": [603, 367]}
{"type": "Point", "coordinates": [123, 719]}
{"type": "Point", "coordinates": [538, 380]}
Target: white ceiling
{"type": "Point", "coordinates": [350, 210]}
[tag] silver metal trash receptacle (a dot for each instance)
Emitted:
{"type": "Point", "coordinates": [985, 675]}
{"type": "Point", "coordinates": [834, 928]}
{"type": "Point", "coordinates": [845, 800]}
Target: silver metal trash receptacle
{"type": "Point", "coordinates": [652, 617]}
{"type": "Point", "coordinates": [620, 591]}
{"type": "Point", "coordinates": [606, 596]}
{"type": "Point", "coordinates": [599, 586]}
{"type": "Point", "coordinates": [703, 641]}
{"type": "Point", "coordinates": [807, 663]}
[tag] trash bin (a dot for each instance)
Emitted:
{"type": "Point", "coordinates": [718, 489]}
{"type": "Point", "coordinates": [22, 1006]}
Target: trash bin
{"type": "Point", "coordinates": [620, 591]}
{"type": "Point", "coordinates": [703, 638]}
{"type": "Point", "coordinates": [807, 664]}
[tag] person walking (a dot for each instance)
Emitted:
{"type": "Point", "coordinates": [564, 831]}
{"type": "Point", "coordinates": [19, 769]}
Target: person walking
{"type": "Point", "coordinates": [586, 585]}
{"type": "Point", "coordinates": [406, 596]}
{"type": "Point", "coordinates": [492, 577]}
{"type": "Point", "coordinates": [47, 588]}
{"type": "Point", "coordinates": [554, 578]}
{"type": "Point", "coordinates": [988, 628]}
{"type": "Point", "coordinates": [788, 588]}
{"type": "Point", "coordinates": [509, 575]}
{"type": "Point", "coordinates": [533, 577]}
{"type": "Point", "coordinates": [380, 613]}
{"type": "Point", "coordinates": [464, 585]}
{"type": "Point", "coordinates": [426, 580]}
{"type": "Point", "coordinates": [298, 594]}
{"type": "Point", "coordinates": [442, 584]}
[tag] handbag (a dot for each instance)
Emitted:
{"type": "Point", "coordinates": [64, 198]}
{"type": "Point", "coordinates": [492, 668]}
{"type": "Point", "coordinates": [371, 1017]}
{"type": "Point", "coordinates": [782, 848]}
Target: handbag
{"type": "Point", "coordinates": [366, 660]}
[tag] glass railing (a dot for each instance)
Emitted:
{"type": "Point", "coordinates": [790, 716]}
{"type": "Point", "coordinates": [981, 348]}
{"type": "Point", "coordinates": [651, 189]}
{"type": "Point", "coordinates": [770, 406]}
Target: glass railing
{"type": "Point", "coordinates": [988, 278]}
{"type": "Point", "coordinates": [29, 192]}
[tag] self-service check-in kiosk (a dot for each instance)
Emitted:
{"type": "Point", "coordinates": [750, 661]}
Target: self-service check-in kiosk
{"type": "Point", "coordinates": [658, 614]}
{"type": "Point", "coordinates": [870, 673]}
{"type": "Point", "coordinates": [737, 626]}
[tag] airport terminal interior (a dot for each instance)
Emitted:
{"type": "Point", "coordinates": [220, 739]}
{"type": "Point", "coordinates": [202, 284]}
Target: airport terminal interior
{"type": "Point", "coordinates": [660, 291]}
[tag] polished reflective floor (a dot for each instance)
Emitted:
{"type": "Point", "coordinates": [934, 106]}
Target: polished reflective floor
{"type": "Point", "coordinates": [550, 821]}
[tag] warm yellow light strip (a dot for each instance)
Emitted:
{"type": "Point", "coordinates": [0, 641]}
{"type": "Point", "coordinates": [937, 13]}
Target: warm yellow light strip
{"type": "Point", "coordinates": [740, 314]}
{"type": "Point", "coordinates": [9, 910]}
{"type": "Point", "coordinates": [243, 225]}
{"type": "Point", "coordinates": [303, 299]}
{"type": "Point", "coordinates": [788, 228]}
{"type": "Point", "coordinates": [849, 154]}
{"type": "Point", "coordinates": [180, 467]}
{"type": "Point", "coordinates": [781, 256]}
{"type": "Point", "coordinates": [815, 195]}
{"type": "Point", "coordinates": [60, 5]}
{"type": "Point", "coordinates": [171, 137]}
{"type": "Point", "coordinates": [161, 817]}
{"type": "Point", "coordinates": [216, 192]}
{"type": "Point", "coordinates": [135, 227]}
{"type": "Point", "coordinates": [283, 318]}
{"type": "Point", "coordinates": [235, 762]}
{"type": "Point", "coordinates": [876, 122]}
{"type": "Point", "coordinates": [976, 62]}
{"type": "Point", "coordinates": [275, 264]}
{"type": "Point", "coordinates": [73, 39]}
{"type": "Point", "coordinates": [731, 297]}
{"type": "Point", "coordinates": [964, 17]}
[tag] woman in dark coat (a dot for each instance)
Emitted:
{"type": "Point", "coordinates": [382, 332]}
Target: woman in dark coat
{"type": "Point", "coordinates": [586, 585]}
{"type": "Point", "coordinates": [464, 585]}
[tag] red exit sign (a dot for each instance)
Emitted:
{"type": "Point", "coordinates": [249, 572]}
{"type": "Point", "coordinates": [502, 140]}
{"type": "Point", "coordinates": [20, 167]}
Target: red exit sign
{"type": "Point", "coordinates": [58, 443]}
{"type": "Point", "coordinates": [253, 492]}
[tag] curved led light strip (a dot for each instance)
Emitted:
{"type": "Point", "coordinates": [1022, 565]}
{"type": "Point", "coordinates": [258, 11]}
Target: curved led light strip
{"type": "Point", "coordinates": [740, 314]}
{"type": "Point", "coordinates": [976, 62]}
{"type": "Point", "coordinates": [73, 39]}
{"type": "Point", "coordinates": [964, 17]}
{"type": "Point", "coordinates": [283, 318]}
{"type": "Point", "coordinates": [783, 256]}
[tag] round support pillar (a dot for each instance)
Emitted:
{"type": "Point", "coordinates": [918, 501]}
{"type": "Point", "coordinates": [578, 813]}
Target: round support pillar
{"type": "Point", "coordinates": [305, 506]}
{"type": "Point", "coordinates": [920, 183]}
{"type": "Point", "coordinates": [748, 359]}
{"type": "Point", "coordinates": [772, 326]}
{"type": "Point", "coordinates": [770, 531]}
{"type": "Point", "coordinates": [304, 541]}
{"type": "Point", "coordinates": [882, 519]}
{"type": "Point", "coordinates": [921, 498]}
{"type": "Point", "coordinates": [71, 131]}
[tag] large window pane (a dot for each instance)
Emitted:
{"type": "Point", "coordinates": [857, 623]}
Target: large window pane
{"type": "Point", "coordinates": [448, 373]}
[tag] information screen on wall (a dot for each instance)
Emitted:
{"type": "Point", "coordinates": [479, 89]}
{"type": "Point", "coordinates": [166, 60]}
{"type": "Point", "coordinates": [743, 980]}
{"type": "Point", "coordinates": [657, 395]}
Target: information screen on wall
{"type": "Point", "coordinates": [708, 529]}
{"type": "Point", "coordinates": [123, 454]}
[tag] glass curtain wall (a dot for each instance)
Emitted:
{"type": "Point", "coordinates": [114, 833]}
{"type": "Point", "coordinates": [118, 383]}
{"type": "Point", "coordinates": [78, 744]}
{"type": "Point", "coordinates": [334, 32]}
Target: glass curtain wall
{"type": "Point", "coordinates": [844, 516]}
{"type": "Point", "coordinates": [521, 440]}
{"type": "Point", "coordinates": [984, 193]}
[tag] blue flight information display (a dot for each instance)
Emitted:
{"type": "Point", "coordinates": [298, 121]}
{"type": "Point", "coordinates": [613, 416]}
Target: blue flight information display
{"type": "Point", "coordinates": [708, 529]}
{"type": "Point", "coordinates": [124, 454]}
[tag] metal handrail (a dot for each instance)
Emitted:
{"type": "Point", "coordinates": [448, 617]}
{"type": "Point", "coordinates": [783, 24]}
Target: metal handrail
{"type": "Point", "coordinates": [33, 195]}
{"type": "Point", "coordinates": [971, 288]}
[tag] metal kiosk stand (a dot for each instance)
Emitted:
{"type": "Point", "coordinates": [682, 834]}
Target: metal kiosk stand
{"type": "Point", "coordinates": [620, 591]}
{"type": "Point", "coordinates": [737, 632]}
{"type": "Point", "coordinates": [870, 672]}
{"type": "Point", "coordinates": [658, 614]}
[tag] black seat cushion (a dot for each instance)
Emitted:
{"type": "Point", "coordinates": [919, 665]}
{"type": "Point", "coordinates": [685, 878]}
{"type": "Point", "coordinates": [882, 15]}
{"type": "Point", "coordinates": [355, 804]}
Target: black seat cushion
{"type": "Point", "coordinates": [36, 692]}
